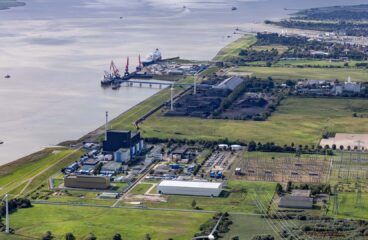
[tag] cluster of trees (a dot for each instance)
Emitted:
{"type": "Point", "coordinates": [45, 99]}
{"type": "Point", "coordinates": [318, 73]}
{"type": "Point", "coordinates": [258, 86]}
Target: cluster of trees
{"type": "Point", "coordinates": [348, 28]}
{"type": "Point", "coordinates": [249, 55]}
{"type": "Point", "coordinates": [301, 47]}
{"type": "Point", "coordinates": [336, 13]}
{"type": "Point", "coordinates": [315, 188]}
{"type": "Point", "coordinates": [272, 147]}
{"type": "Point", "coordinates": [275, 38]}
{"type": "Point", "coordinates": [263, 237]}
{"type": "Point", "coordinates": [70, 236]}
{"type": "Point", "coordinates": [223, 226]}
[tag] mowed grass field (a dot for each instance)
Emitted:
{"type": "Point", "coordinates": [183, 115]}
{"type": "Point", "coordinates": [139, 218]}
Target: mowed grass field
{"type": "Point", "coordinates": [237, 200]}
{"type": "Point", "coordinates": [24, 176]}
{"type": "Point", "coordinates": [292, 73]}
{"type": "Point", "coordinates": [310, 62]}
{"type": "Point", "coordinates": [298, 120]}
{"type": "Point", "coordinates": [347, 207]}
{"type": "Point", "coordinates": [105, 222]}
{"type": "Point", "coordinates": [246, 227]}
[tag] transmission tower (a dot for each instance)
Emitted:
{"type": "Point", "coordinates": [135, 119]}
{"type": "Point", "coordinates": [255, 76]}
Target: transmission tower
{"type": "Point", "coordinates": [358, 200]}
{"type": "Point", "coordinates": [335, 209]}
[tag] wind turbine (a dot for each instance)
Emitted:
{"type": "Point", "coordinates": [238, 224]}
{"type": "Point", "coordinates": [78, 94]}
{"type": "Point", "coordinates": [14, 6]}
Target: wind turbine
{"type": "Point", "coordinates": [6, 213]}
{"type": "Point", "coordinates": [211, 236]}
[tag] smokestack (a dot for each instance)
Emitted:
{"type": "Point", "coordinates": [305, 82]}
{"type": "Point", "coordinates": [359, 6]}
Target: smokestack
{"type": "Point", "coordinates": [106, 124]}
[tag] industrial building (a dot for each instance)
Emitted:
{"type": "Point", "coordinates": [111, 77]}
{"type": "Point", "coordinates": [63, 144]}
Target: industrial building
{"type": "Point", "coordinates": [230, 83]}
{"type": "Point", "coordinates": [298, 199]}
{"type": "Point", "coordinates": [111, 168]}
{"type": "Point", "coordinates": [210, 189]}
{"type": "Point", "coordinates": [86, 181]}
{"type": "Point", "coordinates": [124, 144]}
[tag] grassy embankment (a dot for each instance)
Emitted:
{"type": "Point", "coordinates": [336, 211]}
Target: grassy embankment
{"type": "Point", "coordinates": [231, 51]}
{"type": "Point", "coordinates": [298, 120]}
{"type": "Point", "coordinates": [28, 173]}
{"type": "Point", "coordinates": [105, 222]}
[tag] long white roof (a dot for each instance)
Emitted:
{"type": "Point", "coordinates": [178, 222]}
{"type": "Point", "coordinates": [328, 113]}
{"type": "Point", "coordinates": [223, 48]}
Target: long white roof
{"type": "Point", "coordinates": [190, 184]}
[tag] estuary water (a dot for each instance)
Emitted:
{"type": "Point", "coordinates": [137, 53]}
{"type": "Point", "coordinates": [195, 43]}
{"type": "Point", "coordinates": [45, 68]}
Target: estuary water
{"type": "Point", "coordinates": [56, 52]}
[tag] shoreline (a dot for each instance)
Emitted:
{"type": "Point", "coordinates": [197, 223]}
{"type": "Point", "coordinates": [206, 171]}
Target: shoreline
{"type": "Point", "coordinates": [68, 143]}
{"type": "Point", "coordinates": [10, 4]}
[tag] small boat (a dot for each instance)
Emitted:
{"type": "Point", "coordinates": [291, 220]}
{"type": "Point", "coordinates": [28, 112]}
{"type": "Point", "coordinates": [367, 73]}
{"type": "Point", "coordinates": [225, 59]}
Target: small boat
{"type": "Point", "coordinates": [234, 8]}
{"type": "Point", "coordinates": [1, 142]}
{"type": "Point", "coordinates": [7, 76]}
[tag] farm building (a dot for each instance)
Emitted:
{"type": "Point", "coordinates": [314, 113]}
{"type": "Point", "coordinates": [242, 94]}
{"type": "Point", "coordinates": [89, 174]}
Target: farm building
{"type": "Point", "coordinates": [298, 199]}
{"type": "Point", "coordinates": [210, 189]}
{"type": "Point", "coordinates": [90, 182]}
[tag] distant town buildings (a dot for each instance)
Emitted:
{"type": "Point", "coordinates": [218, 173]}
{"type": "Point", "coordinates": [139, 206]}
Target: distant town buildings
{"type": "Point", "coordinates": [328, 88]}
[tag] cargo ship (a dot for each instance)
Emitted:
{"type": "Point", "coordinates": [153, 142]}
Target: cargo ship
{"type": "Point", "coordinates": [152, 58]}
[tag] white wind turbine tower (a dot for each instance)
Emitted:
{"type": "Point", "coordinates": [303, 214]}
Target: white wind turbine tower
{"type": "Point", "coordinates": [6, 213]}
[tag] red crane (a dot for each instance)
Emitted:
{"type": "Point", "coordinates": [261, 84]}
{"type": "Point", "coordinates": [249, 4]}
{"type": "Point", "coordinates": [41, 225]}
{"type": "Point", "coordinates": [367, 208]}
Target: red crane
{"type": "Point", "coordinates": [114, 69]}
{"type": "Point", "coordinates": [127, 67]}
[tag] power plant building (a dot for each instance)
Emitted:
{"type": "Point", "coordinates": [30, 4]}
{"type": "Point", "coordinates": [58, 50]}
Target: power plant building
{"type": "Point", "coordinates": [124, 144]}
{"type": "Point", "coordinates": [209, 189]}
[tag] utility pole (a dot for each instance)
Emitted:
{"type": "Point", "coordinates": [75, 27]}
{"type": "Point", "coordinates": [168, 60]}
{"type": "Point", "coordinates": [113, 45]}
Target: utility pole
{"type": "Point", "coordinates": [106, 124]}
{"type": "Point", "coordinates": [172, 97]}
{"type": "Point", "coordinates": [195, 84]}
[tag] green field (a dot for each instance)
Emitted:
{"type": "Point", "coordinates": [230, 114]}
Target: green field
{"type": "Point", "coordinates": [347, 207]}
{"type": "Point", "coordinates": [298, 120]}
{"type": "Point", "coordinates": [105, 222]}
{"type": "Point", "coordinates": [231, 51]}
{"type": "Point", "coordinates": [141, 189]}
{"type": "Point", "coordinates": [322, 63]}
{"type": "Point", "coordinates": [285, 73]}
{"type": "Point", "coordinates": [246, 227]}
{"type": "Point", "coordinates": [25, 176]}
{"type": "Point", "coordinates": [237, 200]}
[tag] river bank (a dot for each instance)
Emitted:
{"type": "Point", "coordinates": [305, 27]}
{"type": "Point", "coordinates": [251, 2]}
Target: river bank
{"type": "Point", "coordinates": [10, 3]}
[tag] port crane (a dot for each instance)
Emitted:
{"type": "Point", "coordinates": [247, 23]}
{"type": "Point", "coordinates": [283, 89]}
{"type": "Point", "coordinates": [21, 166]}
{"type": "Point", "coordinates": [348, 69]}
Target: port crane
{"type": "Point", "coordinates": [114, 69]}
{"type": "Point", "coordinates": [127, 67]}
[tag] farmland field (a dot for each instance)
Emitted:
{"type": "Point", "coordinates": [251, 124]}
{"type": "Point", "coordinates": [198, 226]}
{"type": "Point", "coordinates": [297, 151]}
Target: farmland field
{"type": "Point", "coordinates": [105, 222]}
{"type": "Point", "coordinates": [298, 120]}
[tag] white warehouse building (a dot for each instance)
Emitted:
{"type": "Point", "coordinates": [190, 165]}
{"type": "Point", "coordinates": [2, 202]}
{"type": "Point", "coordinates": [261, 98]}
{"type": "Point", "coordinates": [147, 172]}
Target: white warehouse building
{"type": "Point", "coordinates": [210, 189]}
